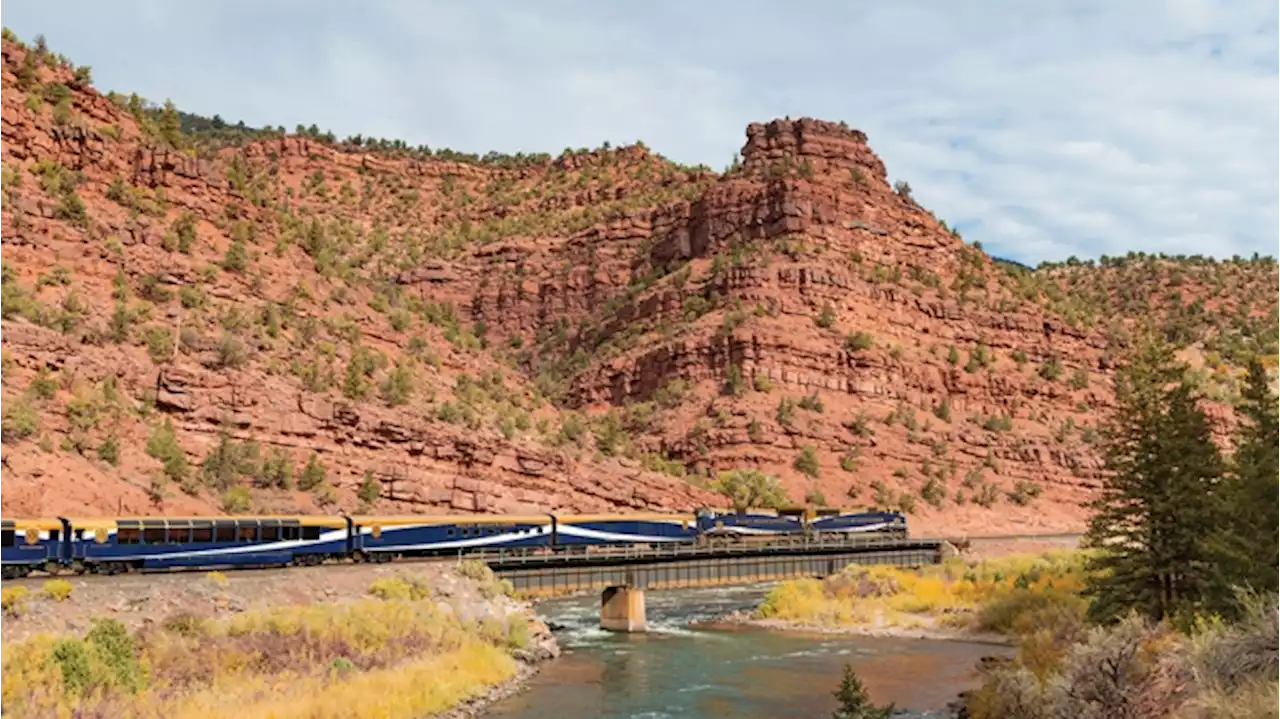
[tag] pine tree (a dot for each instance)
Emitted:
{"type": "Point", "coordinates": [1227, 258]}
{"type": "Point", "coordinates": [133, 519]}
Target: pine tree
{"type": "Point", "coordinates": [1155, 514]}
{"type": "Point", "coordinates": [1247, 545]}
{"type": "Point", "coordinates": [854, 702]}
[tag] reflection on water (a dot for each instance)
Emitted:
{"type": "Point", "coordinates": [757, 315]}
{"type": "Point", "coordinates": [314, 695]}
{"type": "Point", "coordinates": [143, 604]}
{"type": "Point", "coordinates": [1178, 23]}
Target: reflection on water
{"type": "Point", "coordinates": [678, 671]}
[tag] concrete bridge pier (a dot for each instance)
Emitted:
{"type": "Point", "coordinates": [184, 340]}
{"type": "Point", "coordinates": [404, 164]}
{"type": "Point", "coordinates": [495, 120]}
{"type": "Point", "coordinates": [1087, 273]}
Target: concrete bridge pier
{"type": "Point", "coordinates": [622, 609]}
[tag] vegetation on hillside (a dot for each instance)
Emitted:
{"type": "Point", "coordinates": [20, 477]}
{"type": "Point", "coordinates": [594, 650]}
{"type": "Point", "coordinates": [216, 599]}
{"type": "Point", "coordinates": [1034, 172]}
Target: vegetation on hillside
{"type": "Point", "coordinates": [298, 268]}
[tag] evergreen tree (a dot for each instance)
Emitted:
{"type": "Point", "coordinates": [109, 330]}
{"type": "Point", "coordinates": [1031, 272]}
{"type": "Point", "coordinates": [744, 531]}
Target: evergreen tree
{"type": "Point", "coordinates": [854, 702]}
{"type": "Point", "coordinates": [1156, 512]}
{"type": "Point", "coordinates": [1247, 544]}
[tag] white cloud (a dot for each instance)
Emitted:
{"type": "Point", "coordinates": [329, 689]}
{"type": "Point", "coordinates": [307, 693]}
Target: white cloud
{"type": "Point", "coordinates": [1044, 129]}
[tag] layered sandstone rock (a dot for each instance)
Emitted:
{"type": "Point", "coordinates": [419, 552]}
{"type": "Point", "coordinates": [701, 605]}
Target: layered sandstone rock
{"type": "Point", "coordinates": [672, 314]}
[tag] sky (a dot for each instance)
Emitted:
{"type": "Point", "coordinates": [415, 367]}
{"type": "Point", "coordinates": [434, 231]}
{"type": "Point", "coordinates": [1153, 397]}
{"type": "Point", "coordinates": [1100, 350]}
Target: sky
{"type": "Point", "coordinates": [1043, 129]}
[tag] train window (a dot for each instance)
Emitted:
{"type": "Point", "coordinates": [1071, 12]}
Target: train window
{"type": "Point", "coordinates": [179, 535]}
{"type": "Point", "coordinates": [224, 533]}
{"type": "Point", "coordinates": [153, 535]}
{"type": "Point", "coordinates": [289, 533]}
{"type": "Point", "coordinates": [448, 532]}
{"type": "Point", "coordinates": [7, 538]}
{"type": "Point", "coordinates": [310, 532]}
{"type": "Point", "coordinates": [270, 534]}
{"type": "Point", "coordinates": [54, 534]}
{"type": "Point", "coordinates": [128, 535]}
{"type": "Point", "coordinates": [248, 534]}
{"type": "Point", "coordinates": [202, 534]}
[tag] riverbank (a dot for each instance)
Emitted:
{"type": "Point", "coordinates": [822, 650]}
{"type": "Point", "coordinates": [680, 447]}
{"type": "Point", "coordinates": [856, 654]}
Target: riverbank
{"type": "Point", "coordinates": [922, 630]}
{"type": "Point", "coordinates": [442, 640]}
{"type": "Point", "coordinates": [979, 600]}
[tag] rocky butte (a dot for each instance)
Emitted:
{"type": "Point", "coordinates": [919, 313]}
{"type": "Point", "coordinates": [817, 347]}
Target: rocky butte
{"type": "Point", "coordinates": [199, 317]}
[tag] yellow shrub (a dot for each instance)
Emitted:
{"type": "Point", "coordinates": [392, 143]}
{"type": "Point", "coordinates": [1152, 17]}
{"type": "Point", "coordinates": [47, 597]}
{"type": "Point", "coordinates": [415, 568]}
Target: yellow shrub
{"type": "Point", "coordinates": [217, 578]}
{"type": "Point", "coordinates": [58, 590]}
{"type": "Point", "coordinates": [955, 588]}
{"type": "Point", "coordinates": [390, 588]}
{"type": "Point", "coordinates": [13, 600]}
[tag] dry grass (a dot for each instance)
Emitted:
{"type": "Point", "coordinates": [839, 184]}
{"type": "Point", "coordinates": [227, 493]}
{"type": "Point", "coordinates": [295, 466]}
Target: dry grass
{"type": "Point", "coordinates": [1006, 595]}
{"type": "Point", "coordinates": [401, 656]}
{"type": "Point", "coordinates": [1137, 668]}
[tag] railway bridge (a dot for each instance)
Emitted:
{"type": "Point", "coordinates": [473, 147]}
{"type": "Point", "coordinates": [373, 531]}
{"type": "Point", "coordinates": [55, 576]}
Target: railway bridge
{"type": "Point", "coordinates": [624, 574]}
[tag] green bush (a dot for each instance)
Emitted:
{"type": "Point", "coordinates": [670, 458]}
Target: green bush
{"type": "Point", "coordinates": [858, 341]}
{"type": "Point", "coordinates": [807, 462]}
{"type": "Point", "coordinates": [313, 475]}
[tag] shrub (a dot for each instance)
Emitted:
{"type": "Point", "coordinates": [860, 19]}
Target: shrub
{"type": "Point", "coordinates": [1051, 370]}
{"type": "Point", "coordinates": [58, 590]}
{"type": "Point", "coordinates": [228, 462]}
{"type": "Point", "coordinates": [1024, 491]}
{"type": "Point", "coordinates": [397, 386]}
{"type": "Point", "coordinates": [857, 342]}
{"type": "Point", "coordinates": [827, 317]}
{"type": "Point", "coordinates": [734, 384]}
{"type": "Point", "coordinates": [849, 461]}
{"type": "Point", "coordinates": [20, 420]}
{"type": "Point", "coordinates": [943, 410]}
{"type": "Point", "coordinates": [313, 475]}
{"type": "Point", "coordinates": [807, 462]}
{"type": "Point", "coordinates": [109, 450]}
{"type": "Point", "coordinates": [43, 386]}
{"type": "Point", "coordinates": [812, 403]}
{"type": "Point", "coordinates": [987, 495]}
{"type": "Point", "coordinates": [1079, 379]}
{"type": "Point", "coordinates": [163, 445]}
{"type": "Point", "coordinates": [231, 351]}
{"type": "Point", "coordinates": [747, 488]}
{"type": "Point", "coordinates": [236, 500]}
{"type": "Point", "coordinates": [13, 600]}
{"type": "Point", "coordinates": [186, 625]}
{"type": "Point", "coordinates": [400, 587]}
{"type": "Point", "coordinates": [934, 492]}
{"type": "Point", "coordinates": [237, 257]}
{"type": "Point", "coordinates": [370, 489]}
{"type": "Point", "coordinates": [786, 411]}
{"type": "Point", "coordinates": [159, 341]}
{"type": "Point", "coordinates": [277, 470]}
{"type": "Point", "coordinates": [907, 503]}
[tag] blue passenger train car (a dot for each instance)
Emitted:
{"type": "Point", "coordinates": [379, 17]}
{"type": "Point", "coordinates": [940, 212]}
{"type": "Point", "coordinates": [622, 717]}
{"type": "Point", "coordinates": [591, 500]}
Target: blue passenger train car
{"type": "Point", "coordinates": [113, 545]}
{"type": "Point", "coordinates": [846, 522]}
{"type": "Point", "coordinates": [762, 523]}
{"type": "Point", "coordinates": [605, 529]}
{"type": "Point", "coordinates": [383, 538]}
{"type": "Point", "coordinates": [32, 544]}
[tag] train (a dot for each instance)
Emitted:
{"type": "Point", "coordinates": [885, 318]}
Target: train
{"type": "Point", "coordinates": [126, 544]}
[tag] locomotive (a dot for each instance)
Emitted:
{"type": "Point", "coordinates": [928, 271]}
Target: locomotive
{"type": "Point", "coordinates": [110, 546]}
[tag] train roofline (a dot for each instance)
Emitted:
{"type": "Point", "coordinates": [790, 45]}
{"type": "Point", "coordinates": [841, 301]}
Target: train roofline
{"type": "Point", "coordinates": [438, 519]}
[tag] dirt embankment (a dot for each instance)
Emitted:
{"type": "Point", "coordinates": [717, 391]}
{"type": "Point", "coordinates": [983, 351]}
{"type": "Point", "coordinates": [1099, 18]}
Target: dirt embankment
{"type": "Point", "coordinates": [462, 601]}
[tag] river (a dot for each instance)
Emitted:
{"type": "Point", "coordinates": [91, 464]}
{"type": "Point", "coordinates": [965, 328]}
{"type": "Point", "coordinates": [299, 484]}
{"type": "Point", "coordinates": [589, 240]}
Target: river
{"type": "Point", "coordinates": [681, 671]}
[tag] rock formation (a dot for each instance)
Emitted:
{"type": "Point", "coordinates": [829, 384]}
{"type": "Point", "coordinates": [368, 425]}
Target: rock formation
{"type": "Point", "coordinates": [439, 333]}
